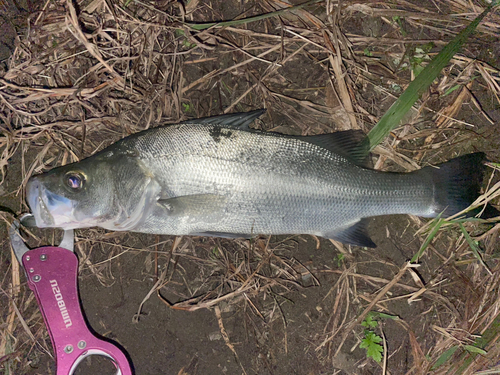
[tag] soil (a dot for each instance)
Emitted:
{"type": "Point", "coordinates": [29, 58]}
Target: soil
{"type": "Point", "coordinates": [280, 330]}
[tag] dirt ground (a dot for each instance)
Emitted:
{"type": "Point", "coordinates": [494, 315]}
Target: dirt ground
{"type": "Point", "coordinates": [307, 290]}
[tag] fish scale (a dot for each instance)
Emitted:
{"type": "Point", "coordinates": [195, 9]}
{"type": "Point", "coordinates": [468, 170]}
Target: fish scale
{"type": "Point", "coordinates": [216, 177]}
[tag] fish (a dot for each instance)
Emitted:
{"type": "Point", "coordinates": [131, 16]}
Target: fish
{"type": "Point", "coordinates": [216, 176]}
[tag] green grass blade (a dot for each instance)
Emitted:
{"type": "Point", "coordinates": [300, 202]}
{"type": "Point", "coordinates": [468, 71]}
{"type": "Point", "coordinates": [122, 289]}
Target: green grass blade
{"type": "Point", "coordinates": [474, 247]}
{"type": "Point", "coordinates": [475, 349]}
{"type": "Point", "coordinates": [444, 357]}
{"type": "Point", "coordinates": [489, 337]}
{"type": "Point", "coordinates": [204, 26]}
{"type": "Point", "coordinates": [435, 228]}
{"type": "Point", "coordinates": [419, 85]}
{"type": "Point", "coordinates": [386, 316]}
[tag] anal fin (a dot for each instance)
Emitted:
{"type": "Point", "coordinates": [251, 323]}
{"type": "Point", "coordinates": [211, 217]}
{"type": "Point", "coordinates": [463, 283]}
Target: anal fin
{"type": "Point", "coordinates": [356, 235]}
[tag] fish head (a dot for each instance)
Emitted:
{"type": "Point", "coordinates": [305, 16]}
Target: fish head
{"type": "Point", "coordinates": [77, 195]}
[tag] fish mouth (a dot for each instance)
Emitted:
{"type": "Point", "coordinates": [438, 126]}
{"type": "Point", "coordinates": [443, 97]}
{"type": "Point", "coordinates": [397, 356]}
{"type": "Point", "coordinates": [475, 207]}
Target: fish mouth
{"type": "Point", "coordinates": [49, 209]}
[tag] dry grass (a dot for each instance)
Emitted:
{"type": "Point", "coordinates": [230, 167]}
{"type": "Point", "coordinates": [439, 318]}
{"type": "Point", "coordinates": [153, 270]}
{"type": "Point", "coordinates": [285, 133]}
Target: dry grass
{"type": "Point", "coordinates": [82, 78]}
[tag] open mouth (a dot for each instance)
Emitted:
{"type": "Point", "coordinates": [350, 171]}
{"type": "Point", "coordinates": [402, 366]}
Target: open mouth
{"type": "Point", "coordinates": [48, 208]}
{"type": "Point", "coordinates": [43, 218]}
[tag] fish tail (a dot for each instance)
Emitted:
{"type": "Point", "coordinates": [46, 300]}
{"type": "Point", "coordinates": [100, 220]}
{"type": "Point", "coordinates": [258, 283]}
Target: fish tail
{"type": "Point", "coordinates": [457, 184]}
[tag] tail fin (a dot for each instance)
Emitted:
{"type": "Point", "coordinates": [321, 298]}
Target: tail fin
{"type": "Point", "coordinates": [457, 185]}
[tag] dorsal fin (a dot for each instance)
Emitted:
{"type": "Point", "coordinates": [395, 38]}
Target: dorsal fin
{"type": "Point", "coordinates": [240, 120]}
{"type": "Point", "coordinates": [346, 143]}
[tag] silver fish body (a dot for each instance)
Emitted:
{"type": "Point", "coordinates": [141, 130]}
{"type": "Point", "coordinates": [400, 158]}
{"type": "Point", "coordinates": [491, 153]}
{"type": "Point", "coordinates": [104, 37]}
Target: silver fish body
{"type": "Point", "coordinates": [210, 178]}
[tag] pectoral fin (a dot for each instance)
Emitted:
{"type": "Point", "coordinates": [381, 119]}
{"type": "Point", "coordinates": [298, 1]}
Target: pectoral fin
{"type": "Point", "coordinates": [208, 205]}
{"type": "Point", "coordinates": [356, 235]}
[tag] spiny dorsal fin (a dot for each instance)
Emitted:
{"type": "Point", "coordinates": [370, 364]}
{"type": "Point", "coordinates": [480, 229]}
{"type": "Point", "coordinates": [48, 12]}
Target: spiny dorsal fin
{"type": "Point", "coordinates": [240, 120]}
{"type": "Point", "coordinates": [345, 143]}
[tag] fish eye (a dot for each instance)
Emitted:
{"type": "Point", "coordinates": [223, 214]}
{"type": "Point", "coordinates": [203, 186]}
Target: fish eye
{"type": "Point", "coordinates": [75, 180]}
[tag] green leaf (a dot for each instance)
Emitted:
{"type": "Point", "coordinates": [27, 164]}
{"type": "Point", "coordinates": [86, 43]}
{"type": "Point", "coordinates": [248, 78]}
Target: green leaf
{"type": "Point", "coordinates": [444, 357]}
{"type": "Point", "coordinates": [371, 344]}
{"type": "Point", "coordinates": [188, 44]}
{"type": "Point", "coordinates": [369, 322]}
{"type": "Point", "coordinates": [417, 70]}
{"type": "Point", "coordinates": [473, 246]}
{"type": "Point", "coordinates": [489, 337]}
{"type": "Point", "coordinates": [374, 337]}
{"type": "Point", "coordinates": [419, 85]}
{"type": "Point", "coordinates": [398, 20]}
{"type": "Point", "coordinates": [450, 90]}
{"type": "Point", "coordinates": [340, 259]}
{"type": "Point", "coordinates": [187, 107]}
{"type": "Point", "coordinates": [387, 316]}
{"type": "Point", "coordinates": [474, 349]}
